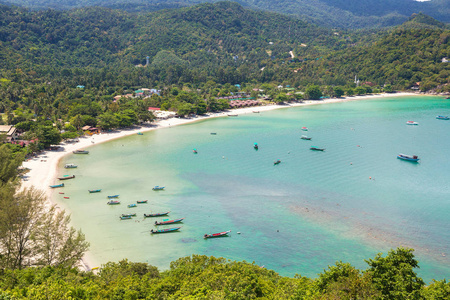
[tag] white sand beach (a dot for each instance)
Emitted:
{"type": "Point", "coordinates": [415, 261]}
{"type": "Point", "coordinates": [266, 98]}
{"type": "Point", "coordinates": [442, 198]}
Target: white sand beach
{"type": "Point", "coordinates": [43, 168]}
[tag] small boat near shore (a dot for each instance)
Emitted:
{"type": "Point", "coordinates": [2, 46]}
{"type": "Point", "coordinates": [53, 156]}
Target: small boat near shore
{"type": "Point", "coordinates": [113, 196]}
{"type": "Point", "coordinates": [129, 215]}
{"type": "Point", "coordinates": [156, 214]}
{"type": "Point", "coordinates": [113, 202]}
{"type": "Point", "coordinates": [255, 146]}
{"type": "Point", "coordinates": [413, 158]}
{"type": "Point", "coordinates": [442, 117]}
{"type": "Point", "coordinates": [277, 162]}
{"type": "Point", "coordinates": [70, 166]}
{"type": "Point", "coordinates": [154, 231]}
{"type": "Point", "coordinates": [94, 191]}
{"type": "Point", "coordinates": [232, 115]}
{"type": "Point", "coordinates": [317, 149]}
{"type": "Point", "coordinates": [214, 235]}
{"type": "Point", "coordinates": [158, 188]}
{"type": "Point", "coordinates": [305, 128]}
{"type": "Point", "coordinates": [166, 222]}
{"type": "Point", "coordinates": [142, 201]}
{"type": "Point", "coordinates": [140, 133]}
{"type": "Point", "coordinates": [132, 205]}
{"type": "Point", "coordinates": [122, 217]}
{"type": "Point", "coordinates": [65, 177]}
{"type": "Point", "coordinates": [411, 123]}
{"type": "Point", "coordinates": [304, 137]}
{"type": "Point", "coordinates": [57, 185]}
{"type": "Point", "coordinates": [213, 133]}
{"type": "Point", "coordinates": [195, 151]}
{"type": "Point", "coordinates": [80, 152]}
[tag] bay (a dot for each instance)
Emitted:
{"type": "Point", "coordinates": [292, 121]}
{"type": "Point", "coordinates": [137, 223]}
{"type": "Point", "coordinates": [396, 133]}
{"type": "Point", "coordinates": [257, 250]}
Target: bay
{"type": "Point", "coordinates": [348, 203]}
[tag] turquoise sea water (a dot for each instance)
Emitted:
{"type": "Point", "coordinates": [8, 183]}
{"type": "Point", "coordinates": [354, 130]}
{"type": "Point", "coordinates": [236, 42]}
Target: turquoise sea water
{"type": "Point", "coordinates": [348, 203]}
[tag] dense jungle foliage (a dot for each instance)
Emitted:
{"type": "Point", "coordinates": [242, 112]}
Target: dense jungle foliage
{"type": "Point", "coordinates": [201, 277]}
{"type": "Point", "coordinates": [332, 13]}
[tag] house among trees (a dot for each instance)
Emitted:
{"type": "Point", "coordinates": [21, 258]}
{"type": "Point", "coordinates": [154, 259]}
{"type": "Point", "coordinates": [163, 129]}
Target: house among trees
{"type": "Point", "coordinates": [10, 131]}
{"type": "Point", "coordinates": [90, 130]}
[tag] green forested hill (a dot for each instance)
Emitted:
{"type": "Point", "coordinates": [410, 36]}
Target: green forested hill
{"type": "Point", "coordinates": [337, 13]}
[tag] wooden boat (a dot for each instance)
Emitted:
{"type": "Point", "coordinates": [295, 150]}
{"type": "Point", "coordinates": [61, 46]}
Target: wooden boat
{"type": "Point", "coordinates": [214, 235]}
{"type": "Point", "coordinates": [158, 188]}
{"type": "Point", "coordinates": [255, 111]}
{"type": "Point", "coordinates": [166, 222]}
{"type": "Point", "coordinates": [122, 217]}
{"type": "Point", "coordinates": [113, 196]}
{"type": "Point", "coordinates": [317, 149]}
{"type": "Point", "coordinates": [411, 123]}
{"type": "Point", "coordinates": [213, 133]}
{"type": "Point", "coordinates": [413, 158]}
{"type": "Point", "coordinates": [304, 137]}
{"type": "Point", "coordinates": [277, 162]}
{"type": "Point", "coordinates": [156, 215]}
{"type": "Point", "coordinates": [132, 205]}
{"type": "Point", "coordinates": [255, 146]}
{"type": "Point", "coordinates": [95, 191]}
{"type": "Point", "coordinates": [129, 215]}
{"type": "Point", "coordinates": [154, 231]}
{"type": "Point", "coordinates": [232, 115]}
{"type": "Point", "coordinates": [80, 152]}
{"type": "Point", "coordinates": [70, 166]}
{"type": "Point", "coordinates": [57, 185]}
{"type": "Point", "coordinates": [113, 202]}
{"type": "Point", "coordinates": [442, 117]}
{"type": "Point", "coordinates": [140, 133]}
{"type": "Point", "coordinates": [305, 128]}
{"type": "Point", "coordinates": [65, 177]}
{"type": "Point", "coordinates": [141, 201]}
{"type": "Point", "coordinates": [195, 151]}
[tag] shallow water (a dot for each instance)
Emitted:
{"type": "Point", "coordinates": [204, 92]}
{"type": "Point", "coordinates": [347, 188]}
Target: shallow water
{"type": "Point", "coordinates": [347, 203]}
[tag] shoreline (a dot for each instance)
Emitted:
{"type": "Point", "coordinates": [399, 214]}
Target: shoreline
{"type": "Point", "coordinates": [43, 167]}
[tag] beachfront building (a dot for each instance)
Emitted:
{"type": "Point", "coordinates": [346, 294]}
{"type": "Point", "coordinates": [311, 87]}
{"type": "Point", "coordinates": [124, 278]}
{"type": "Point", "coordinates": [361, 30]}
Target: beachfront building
{"type": "Point", "coordinates": [10, 131]}
{"type": "Point", "coordinates": [89, 130]}
{"type": "Point", "coordinates": [244, 103]}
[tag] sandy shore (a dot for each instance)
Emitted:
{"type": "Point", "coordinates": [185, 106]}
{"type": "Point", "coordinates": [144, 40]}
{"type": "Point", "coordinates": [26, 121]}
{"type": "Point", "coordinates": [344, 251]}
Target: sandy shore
{"type": "Point", "coordinates": [43, 168]}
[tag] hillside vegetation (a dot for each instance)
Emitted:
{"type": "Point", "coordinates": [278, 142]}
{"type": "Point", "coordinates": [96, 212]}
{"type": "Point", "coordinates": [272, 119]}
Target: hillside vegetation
{"type": "Point", "coordinates": [332, 13]}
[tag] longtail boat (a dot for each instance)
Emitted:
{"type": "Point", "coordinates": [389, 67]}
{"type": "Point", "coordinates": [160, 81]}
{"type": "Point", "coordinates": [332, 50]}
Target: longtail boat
{"type": "Point", "coordinates": [277, 162]}
{"type": "Point", "coordinates": [304, 137]}
{"type": "Point", "coordinates": [132, 205]}
{"type": "Point", "coordinates": [255, 146]}
{"type": "Point", "coordinates": [317, 149]}
{"type": "Point", "coordinates": [442, 117]}
{"type": "Point", "coordinates": [113, 202]}
{"type": "Point", "coordinates": [113, 196]}
{"type": "Point", "coordinates": [413, 158]}
{"type": "Point", "coordinates": [156, 215]}
{"type": "Point", "coordinates": [95, 191]}
{"type": "Point", "coordinates": [70, 166]}
{"type": "Point", "coordinates": [166, 222]}
{"type": "Point", "coordinates": [305, 128]}
{"type": "Point", "coordinates": [158, 188]}
{"type": "Point", "coordinates": [57, 185]}
{"type": "Point", "coordinates": [65, 177]}
{"type": "Point", "coordinates": [164, 230]}
{"type": "Point", "coordinates": [141, 201]}
{"type": "Point", "coordinates": [125, 217]}
{"type": "Point", "coordinates": [213, 235]}
{"type": "Point", "coordinates": [129, 215]}
{"type": "Point", "coordinates": [80, 152]}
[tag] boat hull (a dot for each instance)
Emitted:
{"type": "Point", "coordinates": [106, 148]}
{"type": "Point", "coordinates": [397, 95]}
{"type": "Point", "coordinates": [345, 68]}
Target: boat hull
{"type": "Point", "coordinates": [165, 230]}
{"type": "Point", "coordinates": [66, 178]}
{"type": "Point", "coordinates": [156, 215]}
{"type": "Point", "coordinates": [169, 222]}
{"type": "Point", "coordinates": [216, 235]}
{"type": "Point", "coordinates": [57, 185]}
{"type": "Point", "coordinates": [94, 191]}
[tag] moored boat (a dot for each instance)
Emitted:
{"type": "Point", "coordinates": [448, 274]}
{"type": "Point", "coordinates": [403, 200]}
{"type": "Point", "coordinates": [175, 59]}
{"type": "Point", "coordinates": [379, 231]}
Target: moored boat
{"type": "Point", "coordinates": [166, 222]}
{"type": "Point", "coordinates": [94, 191]}
{"type": "Point", "coordinates": [442, 117]}
{"type": "Point", "coordinates": [129, 215]}
{"type": "Point", "coordinates": [158, 188]}
{"type": "Point", "coordinates": [122, 217]}
{"type": "Point", "coordinates": [57, 185]}
{"type": "Point", "coordinates": [140, 133]}
{"type": "Point", "coordinates": [411, 123]}
{"type": "Point", "coordinates": [277, 162]}
{"type": "Point", "coordinates": [156, 214]}
{"type": "Point", "coordinates": [195, 151]}
{"type": "Point", "coordinates": [65, 177]}
{"type": "Point", "coordinates": [213, 235]}
{"type": "Point", "coordinates": [255, 146]}
{"type": "Point", "coordinates": [305, 128]}
{"type": "Point", "coordinates": [317, 149]}
{"type": "Point", "coordinates": [70, 166]}
{"type": "Point", "coordinates": [213, 133]}
{"type": "Point", "coordinates": [413, 158]}
{"type": "Point", "coordinates": [304, 137]}
{"type": "Point", "coordinates": [80, 152]}
{"type": "Point", "coordinates": [113, 202]}
{"type": "Point", "coordinates": [113, 196]}
{"type": "Point", "coordinates": [232, 115]}
{"type": "Point", "coordinates": [132, 205]}
{"type": "Point", "coordinates": [153, 231]}
{"type": "Point", "coordinates": [142, 201]}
